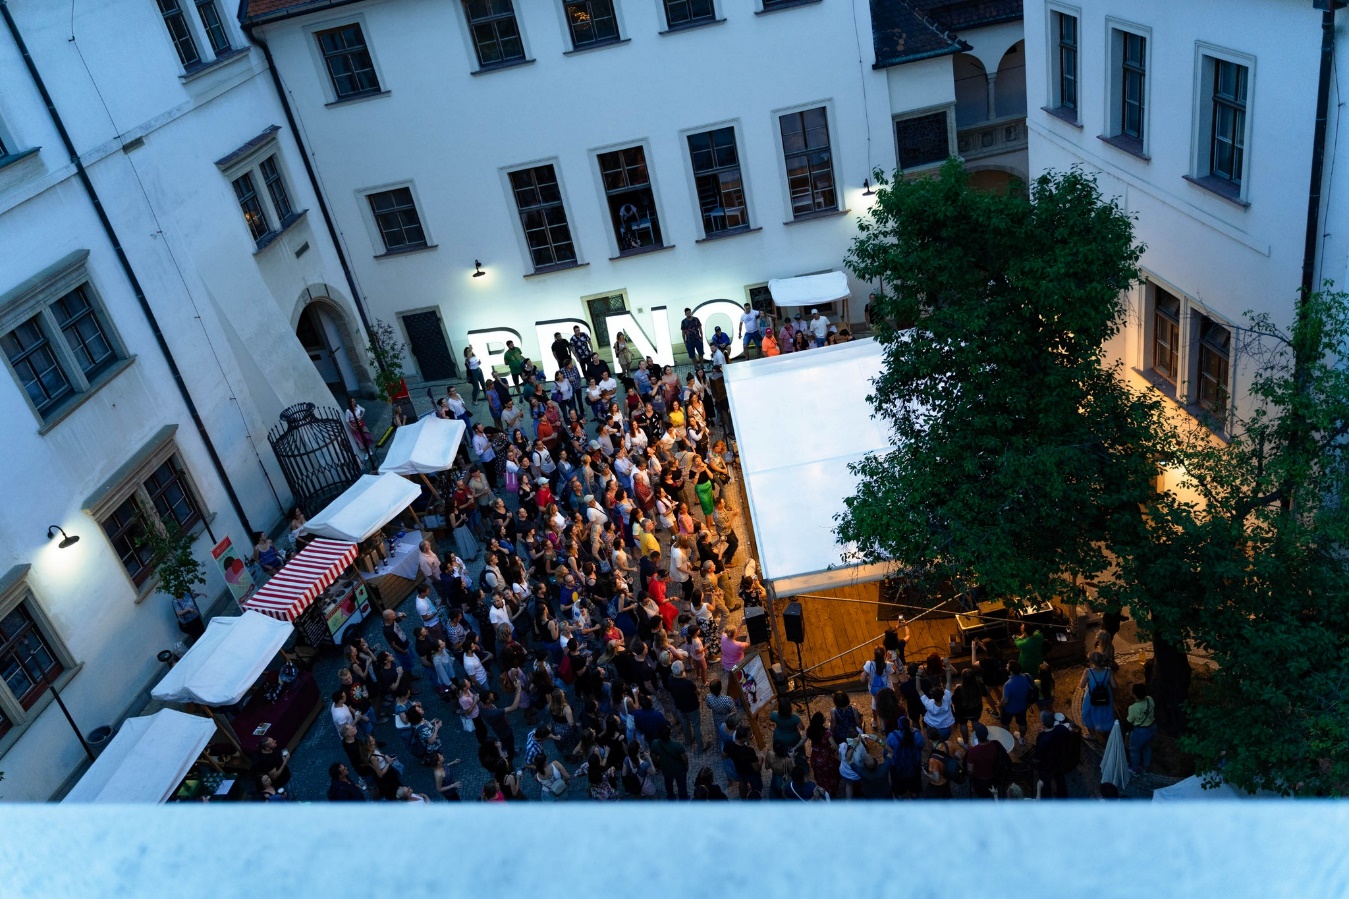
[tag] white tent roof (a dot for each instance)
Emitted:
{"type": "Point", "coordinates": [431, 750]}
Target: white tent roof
{"type": "Point", "coordinates": [796, 466]}
{"type": "Point", "coordinates": [147, 759]}
{"type": "Point", "coordinates": [808, 289]}
{"type": "Point", "coordinates": [426, 446]}
{"type": "Point", "coordinates": [364, 508]}
{"type": "Point", "coordinates": [1193, 788]}
{"type": "Point", "coordinates": [225, 661]}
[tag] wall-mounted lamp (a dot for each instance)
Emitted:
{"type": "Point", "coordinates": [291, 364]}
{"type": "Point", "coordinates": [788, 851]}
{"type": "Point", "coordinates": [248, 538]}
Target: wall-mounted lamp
{"type": "Point", "coordinates": [66, 539]}
{"type": "Point", "coordinates": [866, 182]}
{"type": "Point", "coordinates": [477, 269]}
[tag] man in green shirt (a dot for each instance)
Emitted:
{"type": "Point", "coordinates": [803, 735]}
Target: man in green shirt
{"type": "Point", "coordinates": [1031, 648]}
{"type": "Point", "coordinates": [515, 359]}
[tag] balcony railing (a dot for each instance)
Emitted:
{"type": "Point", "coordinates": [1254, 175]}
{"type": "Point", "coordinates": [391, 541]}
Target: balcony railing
{"type": "Point", "coordinates": [991, 138]}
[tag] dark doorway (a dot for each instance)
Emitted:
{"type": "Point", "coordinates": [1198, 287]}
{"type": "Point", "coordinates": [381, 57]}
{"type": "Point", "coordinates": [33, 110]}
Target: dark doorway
{"type": "Point", "coordinates": [426, 341]}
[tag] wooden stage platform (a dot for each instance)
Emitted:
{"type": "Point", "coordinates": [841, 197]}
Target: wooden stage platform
{"type": "Point", "coordinates": [834, 625]}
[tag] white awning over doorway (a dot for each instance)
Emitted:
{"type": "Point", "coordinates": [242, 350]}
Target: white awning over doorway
{"type": "Point", "coordinates": [800, 418]}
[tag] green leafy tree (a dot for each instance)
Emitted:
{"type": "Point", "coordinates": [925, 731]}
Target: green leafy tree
{"type": "Point", "coordinates": [1019, 450]}
{"type": "Point", "coordinates": [171, 556]}
{"type": "Point", "coordinates": [386, 353]}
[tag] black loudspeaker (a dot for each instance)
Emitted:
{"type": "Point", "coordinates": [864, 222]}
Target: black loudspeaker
{"type": "Point", "coordinates": [756, 622]}
{"type": "Point", "coordinates": [793, 623]}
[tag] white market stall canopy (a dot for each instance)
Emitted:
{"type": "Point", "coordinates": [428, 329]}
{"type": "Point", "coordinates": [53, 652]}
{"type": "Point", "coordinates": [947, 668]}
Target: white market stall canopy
{"type": "Point", "coordinates": [147, 759]}
{"type": "Point", "coordinates": [225, 661]}
{"type": "Point", "coordinates": [1193, 788]}
{"type": "Point", "coordinates": [796, 466]}
{"type": "Point", "coordinates": [364, 508]}
{"type": "Point", "coordinates": [808, 290]}
{"type": "Point", "coordinates": [426, 446]}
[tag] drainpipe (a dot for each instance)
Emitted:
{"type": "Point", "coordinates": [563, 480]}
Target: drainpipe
{"type": "Point", "coordinates": [313, 179]}
{"type": "Point", "coordinates": [126, 265]}
{"type": "Point", "coordinates": [1327, 8]}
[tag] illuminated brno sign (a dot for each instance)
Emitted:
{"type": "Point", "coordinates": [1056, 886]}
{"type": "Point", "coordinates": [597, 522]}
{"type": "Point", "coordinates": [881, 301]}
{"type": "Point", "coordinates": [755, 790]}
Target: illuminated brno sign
{"type": "Point", "coordinates": [490, 343]}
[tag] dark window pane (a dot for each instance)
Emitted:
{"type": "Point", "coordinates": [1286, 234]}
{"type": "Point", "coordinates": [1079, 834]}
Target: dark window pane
{"type": "Point", "coordinates": [276, 188]}
{"type": "Point", "coordinates": [538, 199]}
{"type": "Point", "coordinates": [348, 60]}
{"type": "Point", "coordinates": [35, 364]}
{"type": "Point", "coordinates": [1067, 61]}
{"type": "Point", "coordinates": [1214, 366]}
{"type": "Point", "coordinates": [716, 168]}
{"type": "Point", "coordinates": [215, 29]}
{"type": "Point", "coordinates": [1227, 146]}
{"type": "Point", "coordinates": [591, 22]}
{"type": "Point", "coordinates": [923, 140]}
{"type": "Point", "coordinates": [27, 662]}
{"type": "Point", "coordinates": [397, 219]}
{"type": "Point", "coordinates": [809, 162]}
{"type": "Point", "coordinates": [168, 491]}
{"type": "Point", "coordinates": [688, 12]}
{"type": "Point", "coordinates": [632, 203]}
{"type": "Point", "coordinates": [125, 528]}
{"type": "Point", "coordinates": [252, 208]}
{"type": "Point", "coordinates": [179, 33]}
{"type": "Point", "coordinates": [1132, 85]}
{"type": "Point", "coordinates": [84, 334]}
{"type": "Point", "coordinates": [496, 35]}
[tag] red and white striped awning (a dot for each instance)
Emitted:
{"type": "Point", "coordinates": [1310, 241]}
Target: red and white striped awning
{"type": "Point", "coordinates": [294, 588]}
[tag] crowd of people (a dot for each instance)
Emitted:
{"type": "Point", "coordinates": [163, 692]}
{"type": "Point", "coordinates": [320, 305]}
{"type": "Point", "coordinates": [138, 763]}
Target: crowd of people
{"type": "Point", "coordinates": [605, 618]}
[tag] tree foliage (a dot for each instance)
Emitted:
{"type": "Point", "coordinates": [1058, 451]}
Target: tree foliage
{"type": "Point", "coordinates": [386, 355]}
{"type": "Point", "coordinates": [171, 556]}
{"type": "Point", "coordinates": [1018, 448]}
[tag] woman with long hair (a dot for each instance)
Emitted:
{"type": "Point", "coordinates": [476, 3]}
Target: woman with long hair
{"type": "Point", "coordinates": [823, 754]}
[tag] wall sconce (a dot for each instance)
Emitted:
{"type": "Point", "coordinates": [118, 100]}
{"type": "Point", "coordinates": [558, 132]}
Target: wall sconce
{"type": "Point", "coordinates": [477, 269]}
{"type": "Point", "coordinates": [866, 183]}
{"type": "Point", "coordinates": [66, 539]}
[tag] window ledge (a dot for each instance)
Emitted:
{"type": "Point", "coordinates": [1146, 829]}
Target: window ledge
{"type": "Point", "coordinates": [1159, 381]}
{"type": "Point", "coordinates": [30, 716]}
{"type": "Point", "coordinates": [1194, 410]}
{"type": "Point", "coordinates": [552, 269]}
{"type": "Point", "coordinates": [501, 66]}
{"type": "Point", "coordinates": [1220, 187]}
{"type": "Point", "coordinates": [641, 251]}
{"type": "Point", "coordinates": [691, 26]}
{"type": "Point", "coordinates": [357, 98]}
{"type": "Point", "coordinates": [816, 216]}
{"type": "Point", "coordinates": [219, 62]}
{"type": "Point", "coordinates": [1064, 114]}
{"type": "Point", "coordinates": [577, 51]}
{"type": "Point", "coordinates": [270, 237]}
{"type": "Point", "coordinates": [1131, 145]}
{"type": "Point", "coordinates": [17, 157]}
{"type": "Point", "coordinates": [722, 235]}
{"type": "Point", "coordinates": [64, 412]}
{"type": "Point", "coordinates": [790, 4]}
{"type": "Point", "coordinates": [404, 251]}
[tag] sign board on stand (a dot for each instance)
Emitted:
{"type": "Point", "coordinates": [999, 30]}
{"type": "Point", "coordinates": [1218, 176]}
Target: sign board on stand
{"type": "Point", "coordinates": [233, 568]}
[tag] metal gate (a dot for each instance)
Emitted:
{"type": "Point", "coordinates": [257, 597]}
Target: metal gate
{"type": "Point", "coordinates": [426, 341]}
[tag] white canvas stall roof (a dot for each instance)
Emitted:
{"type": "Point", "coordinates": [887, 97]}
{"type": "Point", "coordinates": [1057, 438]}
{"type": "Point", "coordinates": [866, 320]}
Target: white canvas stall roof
{"type": "Point", "coordinates": [809, 289]}
{"type": "Point", "coordinates": [225, 661]}
{"type": "Point", "coordinates": [1193, 788]}
{"type": "Point", "coordinates": [364, 508]}
{"type": "Point", "coordinates": [800, 418]}
{"type": "Point", "coordinates": [147, 759]}
{"type": "Point", "coordinates": [426, 446]}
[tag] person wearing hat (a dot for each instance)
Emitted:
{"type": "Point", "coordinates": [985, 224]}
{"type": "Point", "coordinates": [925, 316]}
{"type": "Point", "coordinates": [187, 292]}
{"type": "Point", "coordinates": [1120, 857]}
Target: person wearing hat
{"type": "Point", "coordinates": [721, 343]}
{"type": "Point", "coordinates": [785, 335]}
{"type": "Point", "coordinates": [594, 514]}
{"type": "Point", "coordinates": [985, 761]}
{"type": "Point", "coordinates": [818, 326]}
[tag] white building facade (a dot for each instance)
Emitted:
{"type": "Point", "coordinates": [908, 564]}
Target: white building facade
{"type": "Point", "coordinates": [100, 439]}
{"type": "Point", "coordinates": [1200, 123]}
{"type": "Point", "coordinates": [610, 163]}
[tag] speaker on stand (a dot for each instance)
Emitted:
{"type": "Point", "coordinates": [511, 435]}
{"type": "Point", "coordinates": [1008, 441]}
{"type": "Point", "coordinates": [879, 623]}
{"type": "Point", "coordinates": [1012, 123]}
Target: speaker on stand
{"type": "Point", "coordinates": [794, 627]}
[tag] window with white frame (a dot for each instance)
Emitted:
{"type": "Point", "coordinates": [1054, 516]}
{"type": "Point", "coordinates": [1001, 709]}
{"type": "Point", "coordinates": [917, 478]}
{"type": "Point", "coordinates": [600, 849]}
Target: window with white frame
{"type": "Point", "coordinates": [1127, 123]}
{"type": "Point", "coordinates": [1063, 35]}
{"type": "Point", "coordinates": [1166, 336]}
{"type": "Point", "coordinates": [1213, 367]}
{"type": "Point", "coordinates": [495, 32]}
{"type": "Point", "coordinates": [716, 175]}
{"type": "Point", "coordinates": [32, 655]}
{"type": "Point", "coordinates": [197, 31]}
{"type": "Point", "coordinates": [631, 199]}
{"type": "Point", "coordinates": [809, 161]}
{"type": "Point", "coordinates": [592, 23]}
{"type": "Point", "coordinates": [1222, 122]}
{"type": "Point", "coordinates": [686, 13]}
{"type": "Point", "coordinates": [56, 338]}
{"type": "Point", "coordinates": [153, 490]}
{"type": "Point", "coordinates": [347, 60]}
{"type": "Point", "coordinates": [1188, 354]}
{"type": "Point", "coordinates": [397, 220]}
{"type": "Point", "coordinates": [257, 177]}
{"type": "Point", "coordinates": [543, 217]}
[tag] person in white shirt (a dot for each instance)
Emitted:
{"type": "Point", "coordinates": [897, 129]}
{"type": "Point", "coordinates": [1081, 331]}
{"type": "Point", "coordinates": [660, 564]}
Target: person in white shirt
{"type": "Point", "coordinates": [427, 611]}
{"type": "Point", "coordinates": [427, 561]}
{"type": "Point", "coordinates": [342, 714]}
{"type": "Point", "coordinates": [500, 614]}
{"type": "Point", "coordinates": [609, 386]}
{"type": "Point", "coordinates": [510, 416]}
{"type": "Point", "coordinates": [819, 327]}
{"type": "Point", "coordinates": [718, 357]}
{"type": "Point", "coordinates": [594, 514]}
{"type": "Point", "coordinates": [681, 569]}
{"type": "Point", "coordinates": [748, 329]}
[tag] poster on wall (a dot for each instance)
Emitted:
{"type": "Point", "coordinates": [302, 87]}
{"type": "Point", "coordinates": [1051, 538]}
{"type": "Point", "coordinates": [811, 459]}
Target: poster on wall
{"type": "Point", "coordinates": [755, 684]}
{"type": "Point", "coordinates": [233, 568]}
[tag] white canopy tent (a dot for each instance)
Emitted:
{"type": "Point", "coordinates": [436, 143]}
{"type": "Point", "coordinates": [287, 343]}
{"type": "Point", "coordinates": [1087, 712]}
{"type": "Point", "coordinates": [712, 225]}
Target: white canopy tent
{"type": "Point", "coordinates": [147, 759]}
{"type": "Point", "coordinates": [809, 290]}
{"type": "Point", "coordinates": [364, 508]}
{"type": "Point", "coordinates": [1193, 788]}
{"type": "Point", "coordinates": [426, 446]}
{"type": "Point", "coordinates": [796, 467]}
{"type": "Point", "coordinates": [225, 661]}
